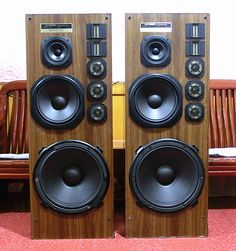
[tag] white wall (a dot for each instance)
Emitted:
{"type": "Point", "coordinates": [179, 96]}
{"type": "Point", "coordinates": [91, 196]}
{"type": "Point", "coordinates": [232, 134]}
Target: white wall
{"type": "Point", "coordinates": [223, 32]}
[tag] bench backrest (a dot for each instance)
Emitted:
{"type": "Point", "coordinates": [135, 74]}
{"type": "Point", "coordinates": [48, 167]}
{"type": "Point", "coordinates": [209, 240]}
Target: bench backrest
{"type": "Point", "coordinates": [13, 118]}
{"type": "Point", "coordinates": [222, 113]}
{"type": "Point", "coordinates": [13, 115]}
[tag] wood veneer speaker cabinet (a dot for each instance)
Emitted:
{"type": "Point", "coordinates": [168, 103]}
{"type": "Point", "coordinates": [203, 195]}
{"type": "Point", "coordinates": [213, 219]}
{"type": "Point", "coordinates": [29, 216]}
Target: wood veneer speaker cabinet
{"type": "Point", "coordinates": [175, 46]}
{"type": "Point", "coordinates": [65, 53]}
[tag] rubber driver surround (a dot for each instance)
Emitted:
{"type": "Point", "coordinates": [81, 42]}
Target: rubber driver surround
{"type": "Point", "coordinates": [185, 173]}
{"type": "Point", "coordinates": [63, 159]}
{"type": "Point", "coordinates": [155, 100]}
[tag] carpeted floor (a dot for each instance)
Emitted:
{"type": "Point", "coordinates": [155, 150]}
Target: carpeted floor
{"type": "Point", "coordinates": [15, 235]}
{"type": "Point", "coordinates": [15, 230]}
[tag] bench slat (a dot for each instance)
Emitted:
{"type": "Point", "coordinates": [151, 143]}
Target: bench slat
{"type": "Point", "coordinates": [222, 125]}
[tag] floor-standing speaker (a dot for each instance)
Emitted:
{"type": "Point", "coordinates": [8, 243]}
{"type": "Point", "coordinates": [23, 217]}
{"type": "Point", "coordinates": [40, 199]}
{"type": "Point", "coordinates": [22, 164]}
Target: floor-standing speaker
{"type": "Point", "coordinates": [167, 78]}
{"type": "Point", "coordinates": [70, 131]}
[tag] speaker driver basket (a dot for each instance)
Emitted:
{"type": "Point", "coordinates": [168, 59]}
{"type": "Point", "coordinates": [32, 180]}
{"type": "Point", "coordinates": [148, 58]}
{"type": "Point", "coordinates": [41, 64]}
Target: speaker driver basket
{"type": "Point", "coordinates": [57, 101]}
{"type": "Point", "coordinates": [167, 175]}
{"type": "Point", "coordinates": [155, 51]}
{"type": "Point", "coordinates": [155, 100]}
{"type": "Point", "coordinates": [97, 113]}
{"type": "Point", "coordinates": [56, 52]}
{"type": "Point", "coordinates": [96, 90]}
{"type": "Point", "coordinates": [71, 176]}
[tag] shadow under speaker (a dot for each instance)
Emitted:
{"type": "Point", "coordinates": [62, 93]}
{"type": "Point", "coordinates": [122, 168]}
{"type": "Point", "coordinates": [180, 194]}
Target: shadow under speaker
{"type": "Point", "coordinates": [167, 118]}
{"type": "Point", "coordinates": [71, 163]}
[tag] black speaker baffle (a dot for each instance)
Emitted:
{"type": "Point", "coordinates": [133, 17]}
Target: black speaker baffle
{"type": "Point", "coordinates": [97, 68]}
{"type": "Point", "coordinates": [97, 113]}
{"type": "Point", "coordinates": [194, 112]}
{"type": "Point", "coordinates": [71, 176]}
{"type": "Point", "coordinates": [56, 52]}
{"type": "Point", "coordinates": [194, 67]}
{"type": "Point", "coordinates": [57, 101]}
{"type": "Point", "coordinates": [194, 90]}
{"type": "Point", "coordinates": [155, 100]}
{"type": "Point", "coordinates": [166, 175]}
{"type": "Point", "coordinates": [96, 90]}
{"type": "Point", "coordinates": [155, 51]}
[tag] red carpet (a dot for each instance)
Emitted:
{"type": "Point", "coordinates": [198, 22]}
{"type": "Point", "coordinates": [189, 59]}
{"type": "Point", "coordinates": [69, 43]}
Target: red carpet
{"type": "Point", "coordinates": [15, 235]}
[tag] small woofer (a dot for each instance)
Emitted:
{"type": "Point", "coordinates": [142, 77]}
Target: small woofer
{"type": "Point", "coordinates": [194, 67]}
{"type": "Point", "coordinates": [155, 51]}
{"type": "Point", "coordinates": [194, 112]}
{"type": "Point", "coordinates": [194, 90]}
{"type": "Point", "coordinates": [166, 175]}
{"type": "Point", "coordinates": [71, 176]}
{"type": "Point", "coordinates": [97, 90]}
{"type": "Point", "coordinates": [155, 100]}
{"type": "Point", "coordinates": [57, 101]}
{"type": "Point", "coordinates": [97, 68]}
{"type": "Point", "coordinates": [56, 52]}
{"type": "Point", "coordinates": [97, 113]}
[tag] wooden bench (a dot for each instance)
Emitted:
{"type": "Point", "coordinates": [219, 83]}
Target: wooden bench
{"type": "Point", "coordinates": [13, 130]}
{"type": "Point", "coordinates": [222, 125]}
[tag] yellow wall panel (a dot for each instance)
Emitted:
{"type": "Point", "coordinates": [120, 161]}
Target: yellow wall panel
{"type": "Point", "coordinates": [118, 113]}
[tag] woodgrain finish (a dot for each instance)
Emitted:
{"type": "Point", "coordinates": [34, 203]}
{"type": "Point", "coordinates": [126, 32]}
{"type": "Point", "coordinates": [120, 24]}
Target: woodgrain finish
{"type": "Point", "coordinates": [46, 223]}
{"type": "Point", "coordinates": [192, 221]}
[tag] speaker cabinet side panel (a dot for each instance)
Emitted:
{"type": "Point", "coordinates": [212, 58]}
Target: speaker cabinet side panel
{"type": "Point", "coordinates": [141, 221]}
{"type": "Point", "coordinates": [47, 223]}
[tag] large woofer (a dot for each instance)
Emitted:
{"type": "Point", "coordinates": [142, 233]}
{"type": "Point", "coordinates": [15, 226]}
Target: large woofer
{"type": "Point", "coordinates": [155, 51]}
{"type": "Point", "coordinates": [57, 101]}
{"type": "Point", "coordinates": [71, 176]}
{"type": "Point", "coordinates": [167, 175]}
{"type": "Point", "coordinates": [155, 100]}
{"type": "Point", "coordinates": [56, 52]}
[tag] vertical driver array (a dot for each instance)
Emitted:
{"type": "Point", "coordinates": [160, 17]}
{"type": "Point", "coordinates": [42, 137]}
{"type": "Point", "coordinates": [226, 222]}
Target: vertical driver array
{"type": "Point", "coordinates": [167, 120]}
{"type": "Point", "coordinates": [71, 166]}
